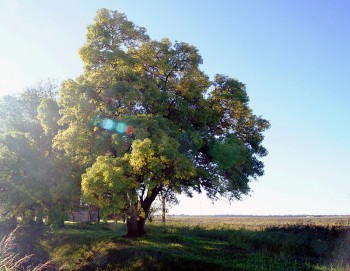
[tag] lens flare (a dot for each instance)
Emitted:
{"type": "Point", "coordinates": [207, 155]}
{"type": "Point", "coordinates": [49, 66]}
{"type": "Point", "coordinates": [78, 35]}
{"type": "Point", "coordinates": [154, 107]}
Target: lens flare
{"type": "Point", "coordinates": [129, 130]}
{"type": "Point", "coordinates": [121, 127]}
{"type": "Point", "coordinates": [113, 125]}
{"type": "Point", "coordinates": [108, 124]}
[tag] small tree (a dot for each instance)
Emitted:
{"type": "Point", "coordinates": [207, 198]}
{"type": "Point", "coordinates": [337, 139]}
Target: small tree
{"type": "Point", "coordinates": [167, 197]}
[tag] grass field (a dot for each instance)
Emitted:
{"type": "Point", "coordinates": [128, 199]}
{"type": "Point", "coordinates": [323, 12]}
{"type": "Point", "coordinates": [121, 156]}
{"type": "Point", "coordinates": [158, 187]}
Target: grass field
{"type": "Point", "coordinates": [204, 243]}
{"type": "Point", "coordinates": [261, 222]}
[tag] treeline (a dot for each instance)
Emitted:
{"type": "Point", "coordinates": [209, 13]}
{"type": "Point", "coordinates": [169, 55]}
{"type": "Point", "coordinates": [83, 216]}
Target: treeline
{"type": "Point", "coordinates": [36, 181]}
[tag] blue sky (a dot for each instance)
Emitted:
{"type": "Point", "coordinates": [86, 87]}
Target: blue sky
{"type": "Point", "coordinates": [294, 57]}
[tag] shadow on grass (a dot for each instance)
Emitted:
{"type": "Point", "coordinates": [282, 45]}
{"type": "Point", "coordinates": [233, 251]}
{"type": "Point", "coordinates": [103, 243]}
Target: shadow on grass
{"type": "Point", "coordinates": [299, 246]}
{"type": "Point", "coordinates": [173, 247]}
{"type": "Point", "coordinates": [140, 259]}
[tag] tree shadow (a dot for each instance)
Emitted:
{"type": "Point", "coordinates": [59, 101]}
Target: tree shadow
{"type": "Point", "coordinates": [174, 247]}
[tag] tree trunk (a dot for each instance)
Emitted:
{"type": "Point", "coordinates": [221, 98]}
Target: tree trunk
{"type": "Point", "coordinates": [141, 226]}
{"type": "Point", "coordinates": [90, 214]}
{"type": "Point", "coordinates": [163, 206]}
{"type": "Point", "coordinates": [131, 222]}
{"type": "Point", "coordinates": [56, 217]}
{"type": "Point", "coordinates": [39, 216]}
{"type": "Point", "coordinates": [136, 222]}
{"type": "Point", "coordinates": [73, 216]}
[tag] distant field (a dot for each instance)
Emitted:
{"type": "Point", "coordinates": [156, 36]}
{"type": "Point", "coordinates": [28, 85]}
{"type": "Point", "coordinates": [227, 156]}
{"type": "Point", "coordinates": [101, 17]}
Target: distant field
{"type": "Point", "coordinates": [259, 222]}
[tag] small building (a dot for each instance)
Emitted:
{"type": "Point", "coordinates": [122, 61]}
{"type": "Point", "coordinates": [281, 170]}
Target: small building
{"type": "Point", "coordinates": [83, 215]}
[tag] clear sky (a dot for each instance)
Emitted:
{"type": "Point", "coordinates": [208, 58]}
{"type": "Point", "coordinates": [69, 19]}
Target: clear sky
{"type": "Point", "coordinates": [293, 55]}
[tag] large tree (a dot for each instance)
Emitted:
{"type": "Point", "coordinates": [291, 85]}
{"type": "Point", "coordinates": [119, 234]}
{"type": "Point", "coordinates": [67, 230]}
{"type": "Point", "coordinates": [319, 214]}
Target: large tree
{"type": "Point", "coordinates": [143, 118]}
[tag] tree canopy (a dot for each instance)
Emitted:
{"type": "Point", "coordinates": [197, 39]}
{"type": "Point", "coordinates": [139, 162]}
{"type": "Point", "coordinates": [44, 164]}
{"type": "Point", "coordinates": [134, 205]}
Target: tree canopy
{"type": "Point", "coordinates": [143, 116]}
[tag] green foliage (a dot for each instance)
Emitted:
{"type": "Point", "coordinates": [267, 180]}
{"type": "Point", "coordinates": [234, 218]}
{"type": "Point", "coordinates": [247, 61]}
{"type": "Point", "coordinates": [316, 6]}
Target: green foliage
{"type": "Point", "coordinates": [189, 134]}
{"type": "Point", "coordinates": [226, 154]}
{"type": "Point", "coordinates": [19, 112]}
{"type": "Point", "coordinates": [48, 115]}
{"type": "Point", "coordinates": [22, 166]}
{"type": "Point", "coordinates": [105, 184]}
{"type": "Point", "coordinates": [34, 178]}
{"type": "Point", "coordinates": [106, 38]}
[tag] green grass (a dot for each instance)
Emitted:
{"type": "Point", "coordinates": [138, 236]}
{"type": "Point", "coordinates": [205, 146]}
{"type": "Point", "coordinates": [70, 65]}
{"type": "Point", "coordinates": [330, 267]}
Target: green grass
{"type": "Point", "coordinates": [200, 246]}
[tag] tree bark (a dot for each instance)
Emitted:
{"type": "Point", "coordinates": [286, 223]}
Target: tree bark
{"type": "Point", "coordinates": [132, 223]}
{"type": "Point", "coordinates": [163, 205]}
{"type": "Point", "coordinates": [136, 222]}
{"type": "Point", "coordinates": [98, 216]}
{"type": "Point", "coordinates": [39, 216]}
{"type": "Point", "coordinates": [141, 226]}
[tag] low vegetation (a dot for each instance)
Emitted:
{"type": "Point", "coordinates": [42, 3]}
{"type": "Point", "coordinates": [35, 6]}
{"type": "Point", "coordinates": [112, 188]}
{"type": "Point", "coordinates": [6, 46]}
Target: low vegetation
{"type": "Point", "coordinates": [11, 261]}
{"type": "Point", "coordinates": [199, 243]}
